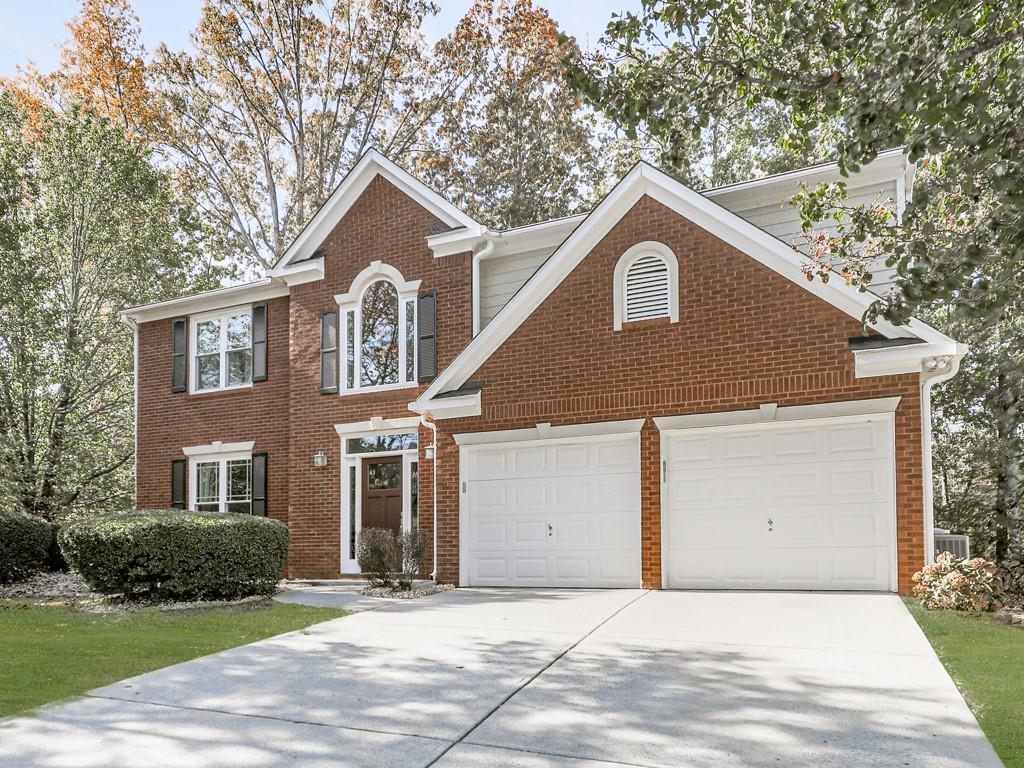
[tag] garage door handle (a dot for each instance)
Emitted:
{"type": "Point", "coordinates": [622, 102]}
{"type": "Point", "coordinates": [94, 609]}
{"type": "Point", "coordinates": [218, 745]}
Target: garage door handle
{"type": "Point", "coordinates": [770, 524]}
{"type": "Point", "coordinates": [551, 530]}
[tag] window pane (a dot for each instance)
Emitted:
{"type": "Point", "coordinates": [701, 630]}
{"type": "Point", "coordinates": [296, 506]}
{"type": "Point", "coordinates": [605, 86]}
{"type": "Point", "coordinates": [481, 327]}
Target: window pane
{"type": "Point", "coordinates": [414, 492]}
{"type": "Point", "coordinates": [383, 477]}
{"type": "Point", "coordinates": [208, 371]}
{"type": "Point", "coordinates": [239, 480]}
{"type": "Point", "coordinates": [214, 507]}
{"type": "Point", "coordinates": [240, 331]}
{"type": "Point", "coordinates": [207, 486]}
{"type": "Point", "coordinates": [208, 337]}
{"type": "Point", "coordinates": [376, 443]}
{"type": "Point", "coordinates": [410, 341]}
{"type": "Point", "coordinates": [350, 349]}
{"type": "Point", "coordinates": [239, 367]}
{"type": "Point", "coordinates": [352, 513]}
{"type": "Point", "coordinates": [378, 348]}
{"type": "Point", "coordinates": [241, 507]}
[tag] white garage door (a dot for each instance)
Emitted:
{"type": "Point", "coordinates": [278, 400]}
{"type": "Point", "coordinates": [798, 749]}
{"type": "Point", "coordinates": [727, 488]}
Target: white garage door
{"type": "Point", "coordinates": [553, 513]}
{"type": "Point", "coordinates": [798, 505]}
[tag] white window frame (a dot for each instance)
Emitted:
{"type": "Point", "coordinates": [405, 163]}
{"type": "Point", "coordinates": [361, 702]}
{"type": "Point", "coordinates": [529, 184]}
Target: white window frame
{"type": "Point", "coordinates": [222, 459]}
{"type": "Point", "coordinates": [350, 565]}
{"type": "Point", "coordinates": [223, 315]}
{"type": "Point", "coordinates": [630, 257]}
{"type": "Point", "coordinates": [351, 303]}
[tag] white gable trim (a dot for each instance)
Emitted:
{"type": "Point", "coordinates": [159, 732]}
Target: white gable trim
{"type": "Point", "coordinates": [643, 180]}
{"type": "Point", "coordinates": [370, 165]}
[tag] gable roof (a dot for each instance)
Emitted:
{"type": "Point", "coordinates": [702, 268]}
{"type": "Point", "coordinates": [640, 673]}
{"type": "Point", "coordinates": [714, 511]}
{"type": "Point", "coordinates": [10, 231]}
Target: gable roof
{"type": "Point", "coordinates": [370, 165]}
{"type": "Point", "coordinates": [643, 180]}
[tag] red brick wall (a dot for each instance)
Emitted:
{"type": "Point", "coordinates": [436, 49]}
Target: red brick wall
{"type": "Point", "coordinates": [385, 225]}
{"type": "Point", "coordinates": [287, 415]}
{"type": "Point", "coordinates": [168, 421]}
{"type": "Point", "coordinates": [745, 336]}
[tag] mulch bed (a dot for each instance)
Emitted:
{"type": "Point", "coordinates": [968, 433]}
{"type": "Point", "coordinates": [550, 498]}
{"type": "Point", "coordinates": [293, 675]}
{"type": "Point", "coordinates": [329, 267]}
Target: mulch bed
{"type": "Point", "coordinates": [408, 594]}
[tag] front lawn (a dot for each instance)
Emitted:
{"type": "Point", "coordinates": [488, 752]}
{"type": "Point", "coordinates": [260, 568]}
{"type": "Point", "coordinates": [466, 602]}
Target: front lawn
{"type": "Point", "coordinates": [53, 652]}
{"type": "Point", "coordinates": [986, 660]}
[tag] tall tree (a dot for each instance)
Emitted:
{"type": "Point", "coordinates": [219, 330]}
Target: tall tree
{"type": "Point", "coordinates": [281, 96]}
{"type": "Point", "coordinates": [87, 227]}
{"type": "Point", "coordinates": [516, 146]}
{"type": "Point", "coordinates": [102, 67]}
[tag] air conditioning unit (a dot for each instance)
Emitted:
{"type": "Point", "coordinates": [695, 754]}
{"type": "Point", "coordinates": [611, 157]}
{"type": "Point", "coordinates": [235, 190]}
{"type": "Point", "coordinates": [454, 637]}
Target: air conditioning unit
{"type": "Point", "coordinates": [954, 543]}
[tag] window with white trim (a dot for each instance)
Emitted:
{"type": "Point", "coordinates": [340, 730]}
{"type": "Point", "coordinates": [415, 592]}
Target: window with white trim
{"type": "Point", "coordinates": [646, 284]}
{"type": "Point", "coordinates": [221, 483]}
{"type": "Point", "coordinates": [378, 331]}
{"type": "Point", "coordinates": [222, 350]}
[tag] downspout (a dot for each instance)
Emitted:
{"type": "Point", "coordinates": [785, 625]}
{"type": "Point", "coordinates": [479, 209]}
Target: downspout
{"type": "Point", "coordinates": [479, 256]}
{"type": "Point", "coordinates": [425, 421]}
{"type": "Point", "coordinates": [934, 371]}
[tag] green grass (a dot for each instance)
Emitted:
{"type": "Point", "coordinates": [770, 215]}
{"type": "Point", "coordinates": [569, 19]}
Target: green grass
{"type": "Point", "coordinates": [50, 652]}
{"type": "Point", "coordinates": [986, 660]}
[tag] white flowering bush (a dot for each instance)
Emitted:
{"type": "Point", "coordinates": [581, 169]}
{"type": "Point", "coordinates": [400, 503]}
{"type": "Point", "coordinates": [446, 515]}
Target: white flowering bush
{"type": "Point", "coordinates": [952, 583]}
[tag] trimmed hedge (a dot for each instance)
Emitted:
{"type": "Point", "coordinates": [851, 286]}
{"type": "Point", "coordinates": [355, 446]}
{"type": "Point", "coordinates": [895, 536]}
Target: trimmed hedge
{"type": "Point", "coordinates": [25, 542]}
{"type": "Point", "coordinates": [177, 555]}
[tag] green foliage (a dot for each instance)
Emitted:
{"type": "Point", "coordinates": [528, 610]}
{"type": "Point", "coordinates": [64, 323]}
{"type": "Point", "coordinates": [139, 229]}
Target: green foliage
{"type": "Point", "coordinates": [390, 558]}
{"type": "Point", "coordinates": [87, 226]}
{"type": "Point", "coordinates": [177, 555]}
{"type": "Point", "coordinates": [25, 544]}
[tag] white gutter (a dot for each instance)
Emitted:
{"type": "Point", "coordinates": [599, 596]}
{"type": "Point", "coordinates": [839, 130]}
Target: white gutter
{"type": "Point", "coordinates": [479, 256]}
{"type": "Point", "coordinates": [934, 371]}
{"type": "Point", "coordinates": [425, 421]}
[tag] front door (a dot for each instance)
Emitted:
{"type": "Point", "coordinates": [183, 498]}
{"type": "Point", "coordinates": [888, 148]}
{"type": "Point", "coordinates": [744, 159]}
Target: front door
{"type": "Point", "coordinates": [382, 493]}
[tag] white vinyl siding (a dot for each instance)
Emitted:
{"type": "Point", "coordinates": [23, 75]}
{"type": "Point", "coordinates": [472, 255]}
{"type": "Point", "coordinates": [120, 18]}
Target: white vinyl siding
{"type": "Point", "coordinates": [501, 277]}
{"type": "Point", "coordinates": [781, 219]}
{"type": "Point", "coordinates": [647, 289]}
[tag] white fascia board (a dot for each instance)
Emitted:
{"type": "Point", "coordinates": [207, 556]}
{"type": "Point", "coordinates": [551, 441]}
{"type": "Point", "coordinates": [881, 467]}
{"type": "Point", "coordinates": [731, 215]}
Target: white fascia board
{"type": "Point", "coordinates": [780, 186]}
{"type": "Point", "coordinates": [377, 426]}
{"type": "Point", "coordinates": [370, 165]}
{"type": "Point", "coordinates": [912, 358]}
{"type": "Point", "coordinates": [303, 272]}
{"type": "Point", "coordinates": [217, 448]}
{"type": "Point", "coordinates": [770, 413]}
{"type": "Point", "coordinates": [548, 432]}
{"type": "Point", "coordinates": [458, 407]}
{"type": "Point", "coordinates": [509, 242]}
{"type": "Point", "coordinates": [221, 298]}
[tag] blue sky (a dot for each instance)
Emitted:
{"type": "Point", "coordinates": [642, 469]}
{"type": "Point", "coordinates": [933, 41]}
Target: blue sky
{"type": "Point", "coordinates": [34, 29]}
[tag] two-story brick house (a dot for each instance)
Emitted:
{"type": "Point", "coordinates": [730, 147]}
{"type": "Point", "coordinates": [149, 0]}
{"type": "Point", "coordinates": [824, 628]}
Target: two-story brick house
{"type": "Point", "coordinates": [652, 393]}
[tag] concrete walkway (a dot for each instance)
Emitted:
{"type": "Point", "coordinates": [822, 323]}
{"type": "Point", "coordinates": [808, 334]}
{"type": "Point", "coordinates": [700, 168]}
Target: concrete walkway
{"type": "Point", "coordinates": [534, 679]}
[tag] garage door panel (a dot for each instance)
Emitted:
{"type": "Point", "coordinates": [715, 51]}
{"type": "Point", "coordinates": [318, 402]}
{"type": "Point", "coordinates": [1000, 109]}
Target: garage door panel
{"type": "Point", "coordinates": [571, 519]}
{"type": "Point", "coordinates": [789, 506]}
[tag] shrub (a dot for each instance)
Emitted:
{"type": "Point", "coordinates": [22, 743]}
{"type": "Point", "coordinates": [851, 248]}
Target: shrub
{"type": "Point", "coordinates": [24, 544]}
{"type": "Point", "coordinates": [388, 558]}
{"type": "Point", "coordinates": [177, 555]}
{"type": "Point", "coordinates": [1011, 573]}
{"type": "Point", "coordinates": [959, 584]}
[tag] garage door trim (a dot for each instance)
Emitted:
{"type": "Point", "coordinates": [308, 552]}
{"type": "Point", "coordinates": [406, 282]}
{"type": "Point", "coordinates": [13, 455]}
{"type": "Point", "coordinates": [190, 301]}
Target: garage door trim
{"type": "Point", "coordinates": [542, 434]}
{"type": "Point", "coordinates": [768, 416]}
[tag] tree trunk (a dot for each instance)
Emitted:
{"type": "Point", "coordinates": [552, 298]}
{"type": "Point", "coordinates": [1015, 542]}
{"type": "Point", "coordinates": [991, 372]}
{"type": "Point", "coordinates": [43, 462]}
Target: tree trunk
{"type": "Point", "coordinates": [1008, 535]}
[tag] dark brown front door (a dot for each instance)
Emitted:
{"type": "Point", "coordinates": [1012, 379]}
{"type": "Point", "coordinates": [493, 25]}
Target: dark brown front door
{"type": "Point", "coordinates": [382, 493]}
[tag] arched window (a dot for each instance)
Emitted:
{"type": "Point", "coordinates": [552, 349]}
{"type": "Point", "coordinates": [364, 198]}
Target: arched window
{"type": "Point", "coordinates": [377, 330]}
{"type": "Point", "coordinates": [378, 350]}
{"type": "Point", "coordinates": [646, 284]}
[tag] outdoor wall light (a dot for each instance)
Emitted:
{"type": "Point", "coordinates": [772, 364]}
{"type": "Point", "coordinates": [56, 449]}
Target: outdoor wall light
{"type": "Point", "coordinates": [319, 459]}
{"type": "Point", "coordinates": [428, 453]}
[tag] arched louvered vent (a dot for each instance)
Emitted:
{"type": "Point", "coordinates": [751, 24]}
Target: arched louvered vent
{"type": "Point", "coordinates": [647, 289]}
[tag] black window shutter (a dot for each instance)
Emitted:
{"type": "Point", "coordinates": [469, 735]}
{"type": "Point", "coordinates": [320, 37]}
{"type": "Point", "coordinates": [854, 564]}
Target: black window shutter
{"type": "Point", "coordinates": [178, 483]}
{"type": "Point", "coordinates": [259, 342]}
{"type": "Point", "coordinates": [259, 484]}
{"type": "Point", "coordinates": [179, 354]}
{"type": "Point", "coordinates": [329, 352]}
{"type": "Point", "coordinates": [426, 332]}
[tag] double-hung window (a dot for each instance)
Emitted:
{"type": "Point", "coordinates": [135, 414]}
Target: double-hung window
{"type": "Point", "coordinates": [222, 350]}
{"type": "Point", "coordinates": [222, 483]}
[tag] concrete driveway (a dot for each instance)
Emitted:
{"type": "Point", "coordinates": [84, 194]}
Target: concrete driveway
{"type": "Point", "coordinates": [533, 679]}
